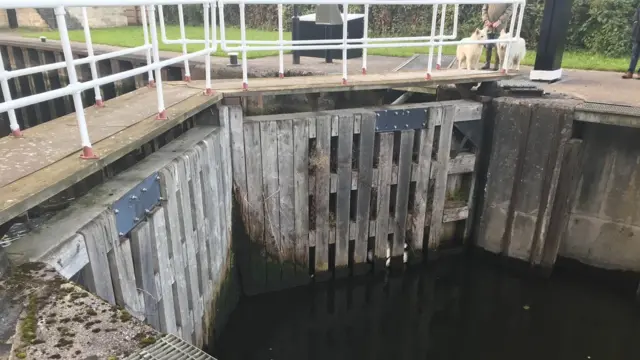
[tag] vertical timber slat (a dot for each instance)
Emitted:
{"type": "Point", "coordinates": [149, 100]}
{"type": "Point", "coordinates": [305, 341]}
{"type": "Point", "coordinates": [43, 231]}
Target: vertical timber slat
{"type": "Point", "coordinates": [440, 188]}
{"type": "Point", "coordinates": [166, 271]}
{"type": "Point", "coordinates": [286, 206]}
{"type": "Point", "coordinates": [345, 150]}
{"type": "Point", "coordinates": [419, 210]}
{"type": "Point", "coordinates": [301, 198]}
{"type": "Point", "coordinates": [402, 195]}
{"type": "Point", "coordinates": [144, 265]}
{"type": "Point", "coordinates": [98, 246]}
{"type": "Point", "coordinates": [271, 195]}
{"type": "Point", "coordinates": [385, 165]}
{"type": "Point", "coordinates": [320, 163]}
{"type": "Point", "coordinates": [365, 179]}
{"type": "Point", "coordinates": [253, 208]}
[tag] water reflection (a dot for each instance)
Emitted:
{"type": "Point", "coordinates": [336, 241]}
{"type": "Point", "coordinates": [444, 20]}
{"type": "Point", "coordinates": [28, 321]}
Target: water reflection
{"type": "Point", "coordinates": [460, 310]}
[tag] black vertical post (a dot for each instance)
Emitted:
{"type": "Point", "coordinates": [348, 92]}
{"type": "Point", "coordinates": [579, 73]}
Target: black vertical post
{"type": "Point", "coordinates": [328, 34]}
{"type": "Point", "coordinates": [295, 33]}
{"type": "Point", "coordinates": [553, 35]}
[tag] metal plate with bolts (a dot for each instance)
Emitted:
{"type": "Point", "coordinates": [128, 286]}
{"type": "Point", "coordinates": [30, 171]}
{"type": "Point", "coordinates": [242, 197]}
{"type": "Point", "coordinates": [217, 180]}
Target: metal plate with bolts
{"type": "Point", "coordinates": [398, 120]}
{"type": "Point", "coordinates": [136, 204]}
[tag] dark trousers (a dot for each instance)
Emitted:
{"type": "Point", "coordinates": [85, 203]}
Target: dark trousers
{"type": "Point", "coordinates": [635, 55]}
{"type": "Point", "coordinates": [491, 36]}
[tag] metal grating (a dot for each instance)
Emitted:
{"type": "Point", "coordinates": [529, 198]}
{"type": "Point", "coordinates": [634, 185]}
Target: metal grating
{"type": "Point", "coordinates": [517, 84]}
{"type": "Point", "coordinates": [170, 347]}
{"type": "Point", "coordinates": [609, 109]}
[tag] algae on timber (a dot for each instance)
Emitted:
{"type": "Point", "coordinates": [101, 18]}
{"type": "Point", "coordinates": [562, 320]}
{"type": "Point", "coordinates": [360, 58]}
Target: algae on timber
{"type": "Point", "coordinates": [44, 316]}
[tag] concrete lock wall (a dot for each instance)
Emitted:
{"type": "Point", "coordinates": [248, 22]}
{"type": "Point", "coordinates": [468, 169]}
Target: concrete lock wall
{"type": "Point", "coordinates": [559, 187]}
{"type": "Point", "coordinates": [156, 239]}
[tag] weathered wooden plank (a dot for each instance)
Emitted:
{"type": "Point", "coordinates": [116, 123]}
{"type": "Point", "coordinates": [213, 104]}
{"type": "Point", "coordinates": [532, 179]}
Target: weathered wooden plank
{"type": "Point", "coordinates": [402, 196]}
{"type": "Point", "coordinates": [98, 245]}
{"type": "Point", "coordinates": [271, 194]}
{"type": "Point", "coordinates": [170, 185]}
{"type": "Point", "coordinates": [253, 210]}
{"type": "Point", "coordinates": [144, 263]}
{"type": "Point", "coordinates": [321, 170]}
{"type": "Point", "coordinates": [301, 198]}
{"type": "Point", "coordinates": [423, 169]}
{"type": "Point", "coordinates": [382, 250]}
{"type": "Point", "coordinates": [121, 266]}
{"type": "Point", "coordinates": [365, 182]}
{"type": "Point", "coordinates": [160, 245]}
{"type": "Point", "coordinates": [234, 115]}
{"type": "Point", "coordinates": [286, 201]}
{"type": "Point", "coordinates": [189, 241]}
{"type": "Point", "coordinates": [440, 187]}
{"type": "Point", "coordinates": [197, 210]}
{"type": "Point", "coordinates": [213, 211]}
{"type": "Point", "coordinates": [343, 203]}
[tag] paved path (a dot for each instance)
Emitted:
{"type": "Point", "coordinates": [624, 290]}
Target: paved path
{"type": "Point", "coordinates": [595, 86]}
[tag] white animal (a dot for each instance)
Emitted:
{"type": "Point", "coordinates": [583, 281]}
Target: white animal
{"type": "Point", "coordinates": [516, 53]}
{"type": "Point", "coordinates": [470, 53]}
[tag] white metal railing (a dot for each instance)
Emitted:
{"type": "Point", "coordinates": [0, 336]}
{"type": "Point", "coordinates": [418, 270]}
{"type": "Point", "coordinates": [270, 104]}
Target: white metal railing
{"type": "Point", "coordinates": [436, 39]}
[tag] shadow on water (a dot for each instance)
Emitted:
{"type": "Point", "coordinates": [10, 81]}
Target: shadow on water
{"type": "Point", "coordinates": [459, 310]}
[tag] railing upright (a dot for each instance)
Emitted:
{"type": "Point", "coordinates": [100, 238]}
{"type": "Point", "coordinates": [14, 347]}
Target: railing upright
{"type": "Point", "coordinates": [207, 57]}
{"type": "Point", "coordinates": [6, 94]}
{"type": "Point", "coordinates": [443, 17]}
{"type": "Point", "coordinates": [512, 29]}
{"type": "Point", "coordinates": [92, 64]}
{"type": "Point", "coordinates": [365, 36]}
{"type": "Point", "coordinates": [345, 21]}
{"type": "Point", "coordinates": [162, 112]}
{"type": "Point", "coordinates": [145, 33]}
{"type": "Point", "coordinates": [183, 36]}
{"type": "Point", "coordinates": [87, 150]}
{"type": "Point", "coordinates": [434, 18]}
{"type": "Point", "coordinates": [280, 42]}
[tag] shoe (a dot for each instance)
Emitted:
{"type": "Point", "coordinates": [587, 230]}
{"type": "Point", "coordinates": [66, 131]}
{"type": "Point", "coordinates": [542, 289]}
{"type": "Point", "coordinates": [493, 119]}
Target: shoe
{"type": "Point", "coordinates": [637, 76]}
{"type": "Point", "coordinates": [628, 75]}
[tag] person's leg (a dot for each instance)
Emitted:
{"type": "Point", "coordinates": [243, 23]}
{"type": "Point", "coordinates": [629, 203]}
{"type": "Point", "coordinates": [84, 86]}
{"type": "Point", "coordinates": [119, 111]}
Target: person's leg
{"type": "Point", "coordinates": [490, 48]}
{"type": "Point", "coordinates": [635, 54]}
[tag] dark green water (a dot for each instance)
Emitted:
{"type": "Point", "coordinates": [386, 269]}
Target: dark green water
{"type": "Point", "coordinates": [459, 310]}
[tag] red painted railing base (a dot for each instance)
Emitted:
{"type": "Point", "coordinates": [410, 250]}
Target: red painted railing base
{"type": "Point", "coordinates": [162, 115]}
{"type": "Point", "coordinates": [187, 78]}
{"type": "Point", "coordinates": [438, 66]}
{"type": "Point", "coordinates": [99, 103]}
{"type": "Point", "coordinates": [87, 153]}
{"type": "Point", "coordinates": [16, 133]}
{"type": "Point", "coordinates": [281, 75]}
{"type": "Point", "coordinates": [364, 71]}
{"type": "Point", "coordinates": [209, 92]}
{"type": "Point", "coordinates": [245, 86]}
{"type": "Point", "coordinates": [151, 84]}
{"type": "Point", "coordinates": [427, 77]}
{"type": "Point", "coordinates": [344, 81]}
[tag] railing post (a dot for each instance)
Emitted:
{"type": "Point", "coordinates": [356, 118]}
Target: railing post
{"type": "Point", "coordinates": [87, 150]}
{"type": "Point", "coordinates": [183, 37]}
{"type": "Point", "coordinates": [512, 30]}
{"type": "Point", "coordinates": [145, 32]}
{"type": "Point", "coordinates": [345, 22]}
{"type": "Point", "coordinates": [434, 19]}
{"type": "Point", "coordinates": [443, 17]}
{"type": "Point", "coordinates": [295, 33]}
{"type": "Point", "coordinates": [243, 45]}
{"type": "Point", "coordinates": [162, 112]}
{"type": "Point", "coordinates": [6, 93]}
{"type": "Point", "coordinates": [92, 64]}
{"type": "Point", "coordinates": [365, 36]}
{"type": "Point", "coordinates": [207, 57]}
{"type": "Point", "coordinates": [280, 42]}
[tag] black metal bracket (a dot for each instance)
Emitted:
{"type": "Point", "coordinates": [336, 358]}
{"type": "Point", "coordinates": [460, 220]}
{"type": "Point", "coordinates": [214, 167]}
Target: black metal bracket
{"type": "Point", "coordinates": [133, 207]}
{"type": "Point", "coordinates": [399, 120]}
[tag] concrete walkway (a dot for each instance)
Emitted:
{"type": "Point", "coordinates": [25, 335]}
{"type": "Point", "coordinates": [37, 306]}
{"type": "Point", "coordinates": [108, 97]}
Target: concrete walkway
{"type": "Point", "coordinates": [594, 86]}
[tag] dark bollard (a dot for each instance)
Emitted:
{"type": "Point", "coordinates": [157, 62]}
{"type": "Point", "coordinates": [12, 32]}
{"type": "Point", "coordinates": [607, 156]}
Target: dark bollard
{"type": "Point", "coordinates": [553, 34]}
